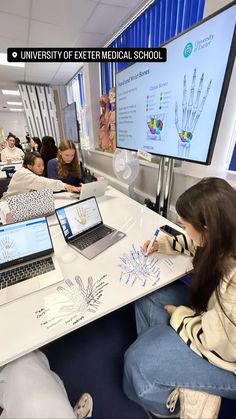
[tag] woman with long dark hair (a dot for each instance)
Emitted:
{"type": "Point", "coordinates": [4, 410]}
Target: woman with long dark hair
{"type": "Point", "coordinates": [48, 150]}
{"type": "Point", "coordinates": [36, 144]}
{"type": "Point", "coordinates": [185, 355]}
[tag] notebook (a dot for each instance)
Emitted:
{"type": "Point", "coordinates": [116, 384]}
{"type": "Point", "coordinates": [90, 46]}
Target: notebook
{"type": "Point", "coordinates": [83, 228]}
{"type": "Point", "coordinates": [97, 188]}
{"type": "Point", "coordinates": [27, 263]}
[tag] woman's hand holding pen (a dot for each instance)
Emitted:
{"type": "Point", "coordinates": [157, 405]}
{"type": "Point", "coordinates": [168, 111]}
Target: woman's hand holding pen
{"type": "Point", "coordinates": [153, 249]}
{"type": "Point", "coordinates": [150, 248]}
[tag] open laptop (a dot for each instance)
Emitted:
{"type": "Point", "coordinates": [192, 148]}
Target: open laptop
{"type": "Point", "coordinates": [97, 188]}
{"type": "Point", "coordinates": [83, 229]}
{"type": "Point", "coordinates": [27, 263]}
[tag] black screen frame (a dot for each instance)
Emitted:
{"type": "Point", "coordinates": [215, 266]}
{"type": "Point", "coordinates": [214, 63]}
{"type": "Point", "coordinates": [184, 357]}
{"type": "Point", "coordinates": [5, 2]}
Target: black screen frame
{"type": "Point", "coordinates": [223, 93]}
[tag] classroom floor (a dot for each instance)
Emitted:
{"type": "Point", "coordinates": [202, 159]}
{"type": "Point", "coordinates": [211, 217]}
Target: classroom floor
{"type": "Point", "coordinates": [91, 360]}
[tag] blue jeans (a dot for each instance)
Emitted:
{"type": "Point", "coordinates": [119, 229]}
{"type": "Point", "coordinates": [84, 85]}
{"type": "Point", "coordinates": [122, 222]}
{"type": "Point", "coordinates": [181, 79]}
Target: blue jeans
{"type": "Point", "coordinates": [159, 360]}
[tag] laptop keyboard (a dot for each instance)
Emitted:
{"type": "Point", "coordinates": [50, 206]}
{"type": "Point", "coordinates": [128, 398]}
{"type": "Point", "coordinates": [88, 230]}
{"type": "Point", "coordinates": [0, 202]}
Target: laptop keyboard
{"type": "Point", "coordinates": [92, 237]}
{"type": "Point", "coordinates": [27, 271]}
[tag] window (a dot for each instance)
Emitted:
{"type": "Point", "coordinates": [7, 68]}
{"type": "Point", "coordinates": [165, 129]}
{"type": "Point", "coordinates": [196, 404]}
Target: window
{"type": "Point", "coordinates": [162, 20]}
{"type": "Point", "coordinates": [75, 93]}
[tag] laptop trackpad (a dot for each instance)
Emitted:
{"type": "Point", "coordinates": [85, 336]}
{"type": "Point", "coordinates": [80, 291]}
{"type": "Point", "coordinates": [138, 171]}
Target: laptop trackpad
{"type": "Point", "coordinates": [22, 288]}
{"type": "Point", "coordinates": [102, 244]}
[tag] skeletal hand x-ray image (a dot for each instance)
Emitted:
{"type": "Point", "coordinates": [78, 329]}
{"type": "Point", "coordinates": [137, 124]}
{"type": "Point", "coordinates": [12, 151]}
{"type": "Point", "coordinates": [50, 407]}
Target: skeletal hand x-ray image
{"type": "Point", "coordinates": [190, 113]}
{"type": "Point", "coordinates": [81, 216]}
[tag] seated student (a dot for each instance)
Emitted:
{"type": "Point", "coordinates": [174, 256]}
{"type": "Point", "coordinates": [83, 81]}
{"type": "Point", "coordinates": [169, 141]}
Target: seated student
{"type": "Point", "coordinates": [27, 143]}
{"type": "Point", "coordinates": [186, 347]}
{"type": "Point", "coordinates": [29, 178]}
{"type": "Point", "coordinates": [36, 144]}
{"type": "Point", "coordinates": [66, 165]}
{"type": "Point", "coordinates": [11, 152]}
{"type": "Point", "coordinates": [48, 150]}
{"type": "Point", "coordinates": [30, 389]}
{"type": "Point", "coordinates": [18, 144]}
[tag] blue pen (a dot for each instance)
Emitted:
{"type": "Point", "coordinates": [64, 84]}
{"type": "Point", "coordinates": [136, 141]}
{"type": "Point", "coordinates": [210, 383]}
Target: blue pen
{"type": "Point", "coordinates": [152, 242]}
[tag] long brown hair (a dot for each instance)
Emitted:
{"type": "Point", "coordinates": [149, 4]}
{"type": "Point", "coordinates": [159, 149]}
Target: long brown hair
{"type": "Point", "coordinates": [209, 206]}
{"type": "Point", "coordinates": [64, 169]}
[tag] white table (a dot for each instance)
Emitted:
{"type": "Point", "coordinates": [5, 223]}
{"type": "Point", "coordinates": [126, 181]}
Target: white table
{"type": "Point", "coordinates": [34, 320]}
{"type": "Point", "coordinates": [16, 165]}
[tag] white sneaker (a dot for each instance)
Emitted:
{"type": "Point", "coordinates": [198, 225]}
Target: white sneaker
{"type": "Point", "coordinates": [152, 415]}
{"type": "Point", "coordinates": [194, 404]}
{"type": "Point", "coordinates": [84, 406]}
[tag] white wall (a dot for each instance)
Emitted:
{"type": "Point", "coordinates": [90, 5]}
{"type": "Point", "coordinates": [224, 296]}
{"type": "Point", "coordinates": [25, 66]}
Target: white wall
{"type": "Point", "coordinates": [212, 5]}
{"type": "Point", "coordinates": [14, 122]}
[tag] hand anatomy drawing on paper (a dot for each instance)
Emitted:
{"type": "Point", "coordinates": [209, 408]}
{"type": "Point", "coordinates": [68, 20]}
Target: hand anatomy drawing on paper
{"type": "Point", "coordinates": [78, 300]}
{"type": "Point", "coordinates": [137, 267]}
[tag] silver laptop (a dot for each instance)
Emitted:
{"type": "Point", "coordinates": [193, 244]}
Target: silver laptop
{"type": "Point", "coordinates": [97, 188]}
{"type": "Point", "coordinates": [27, 263]}
{"type": "Point", "coordinates": [83, 229]}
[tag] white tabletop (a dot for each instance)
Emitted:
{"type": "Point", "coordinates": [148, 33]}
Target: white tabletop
{"type": "Point", "coordinates": [16, 164]}
{"type": "Point", "coordinates": [116, 277]}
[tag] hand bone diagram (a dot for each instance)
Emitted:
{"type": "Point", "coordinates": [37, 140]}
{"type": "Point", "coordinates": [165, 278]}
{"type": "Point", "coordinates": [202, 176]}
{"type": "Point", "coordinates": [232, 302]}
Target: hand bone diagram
{"type": "Point", "coordinates": [191, 112]}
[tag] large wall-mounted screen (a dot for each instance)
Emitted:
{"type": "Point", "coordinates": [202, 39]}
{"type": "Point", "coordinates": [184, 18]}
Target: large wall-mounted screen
{"type": "Point", "coordinates": [173, 109]}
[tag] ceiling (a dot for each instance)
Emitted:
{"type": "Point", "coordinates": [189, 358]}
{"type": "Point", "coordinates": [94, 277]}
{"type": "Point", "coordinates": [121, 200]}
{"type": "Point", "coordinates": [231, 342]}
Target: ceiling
{"type": "Point", "coordinates": [56, 23]}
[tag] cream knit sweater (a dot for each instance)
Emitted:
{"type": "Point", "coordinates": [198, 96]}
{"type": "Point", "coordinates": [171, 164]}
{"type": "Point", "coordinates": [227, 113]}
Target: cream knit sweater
{"type": "Point", "coordinates": [24, 180]}
{"type": "Point", "coordinates": [211, 335]}
{"type": "Point", "coordinates": [14, 153]}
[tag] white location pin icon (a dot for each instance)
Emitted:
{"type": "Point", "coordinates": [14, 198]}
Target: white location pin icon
{"type": "Point", "coordinates": [14, 54]}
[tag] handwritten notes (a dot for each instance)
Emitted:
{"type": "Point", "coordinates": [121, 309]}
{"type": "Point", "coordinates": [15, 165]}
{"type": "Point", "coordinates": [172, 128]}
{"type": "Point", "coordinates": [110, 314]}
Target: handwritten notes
{"type": "Point", "coordinates": [74, 300]}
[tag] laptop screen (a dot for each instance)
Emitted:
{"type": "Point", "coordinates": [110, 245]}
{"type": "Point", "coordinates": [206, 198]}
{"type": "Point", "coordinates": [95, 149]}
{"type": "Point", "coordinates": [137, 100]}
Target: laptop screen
{"type": "Point", "coordinates": [77, 218]}
{"type": "Point", "coordinates": [24, 241]}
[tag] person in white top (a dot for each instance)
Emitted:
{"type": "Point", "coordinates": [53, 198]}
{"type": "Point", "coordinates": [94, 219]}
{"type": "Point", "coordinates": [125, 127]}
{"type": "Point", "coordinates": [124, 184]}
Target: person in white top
{"type": "Point", "coordinates": [30, 389]}
{"type": "Point", "coordinates": [11, 152]}
{"type": "Point", "coordinates": [29, 178]}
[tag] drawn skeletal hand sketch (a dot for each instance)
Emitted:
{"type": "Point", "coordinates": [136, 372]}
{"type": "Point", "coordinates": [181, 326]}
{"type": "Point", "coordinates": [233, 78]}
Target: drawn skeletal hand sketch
{"type": "Point", "coordinates": [6, 243]}
{"type": "Point", "coordinates": [78, 300]}
{"type": "Point", "coordinates": [7, 248]}
{"type": "Point", "coordinates": [137, 267]}
{"type": "Point", "coordinates": [190, 113]}
{"type": "Point", "coordinates": [81, 216]}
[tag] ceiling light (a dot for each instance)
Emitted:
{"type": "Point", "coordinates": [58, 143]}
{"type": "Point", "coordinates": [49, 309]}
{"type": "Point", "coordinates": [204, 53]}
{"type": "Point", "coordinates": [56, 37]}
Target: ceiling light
{"type": "Point", "coordinates": [15, 109]}
{"type": "Point", "coordinates": [14, 103]}
{"type": "Point", "coordinates": [11, 92]}
{"type": "Point", "coordinates": [3, 61]}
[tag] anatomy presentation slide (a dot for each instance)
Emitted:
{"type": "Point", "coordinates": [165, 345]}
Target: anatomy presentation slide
{"type": "Point", "coordinates": [78, 218]}
{"type": "Point", "coordinates": [169, 108]}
